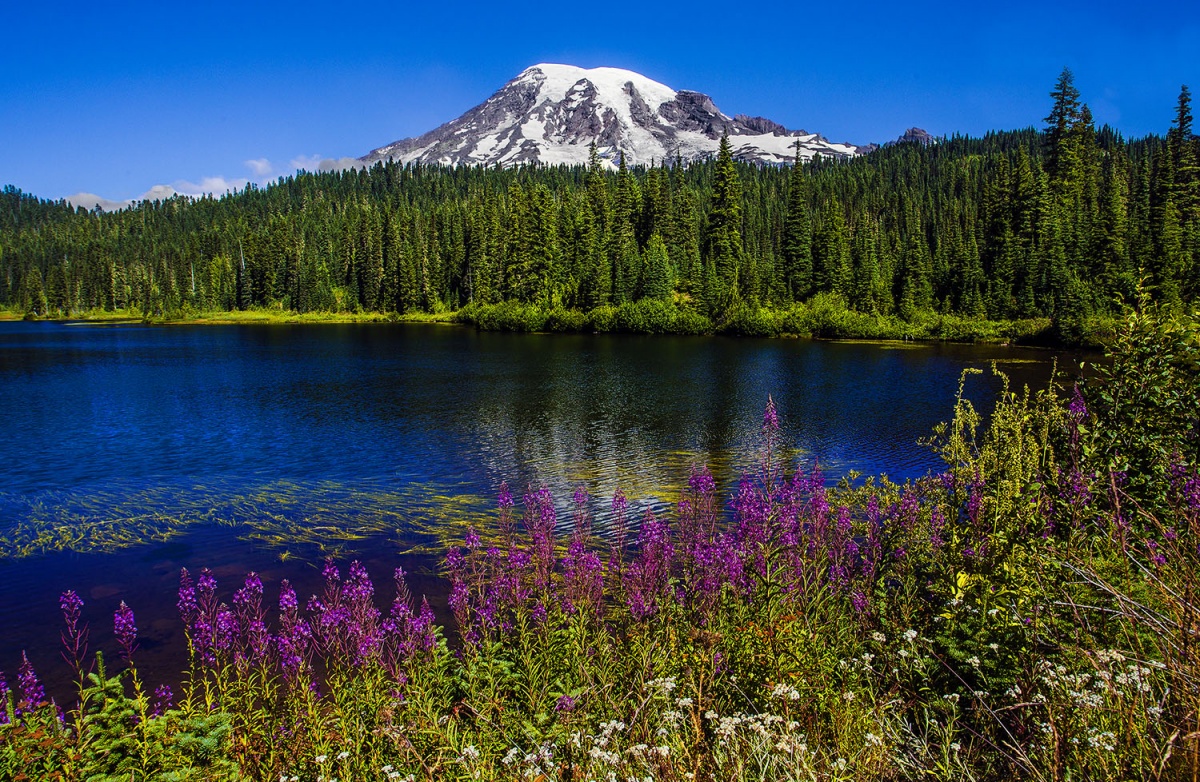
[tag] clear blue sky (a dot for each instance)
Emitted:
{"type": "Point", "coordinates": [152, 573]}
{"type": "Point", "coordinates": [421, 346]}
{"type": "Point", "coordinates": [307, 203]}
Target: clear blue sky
{"type": "Point", "coordinates": [114, 98]}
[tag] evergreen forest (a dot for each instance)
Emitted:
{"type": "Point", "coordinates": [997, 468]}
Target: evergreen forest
{"type": "Point", "coordinates": [1059, 225]}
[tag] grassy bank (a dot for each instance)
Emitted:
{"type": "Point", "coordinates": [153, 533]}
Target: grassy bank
{"type": "Point", "coordinates": [259, 316]}
{"type": "Point", "coordinates": [823, 317]}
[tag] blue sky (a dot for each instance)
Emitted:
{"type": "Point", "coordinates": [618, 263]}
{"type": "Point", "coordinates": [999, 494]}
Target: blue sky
{"type": "Point", "coordinates": [114, 99]}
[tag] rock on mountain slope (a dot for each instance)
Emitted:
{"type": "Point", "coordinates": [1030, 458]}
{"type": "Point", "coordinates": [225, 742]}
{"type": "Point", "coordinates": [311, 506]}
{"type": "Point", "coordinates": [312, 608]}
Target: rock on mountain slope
{"type": "Point", "coordinates": [553, 113]}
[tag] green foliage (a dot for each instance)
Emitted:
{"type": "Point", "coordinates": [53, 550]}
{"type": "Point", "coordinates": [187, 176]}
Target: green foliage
{"type": "Point", "coordinates": [1148, 397]}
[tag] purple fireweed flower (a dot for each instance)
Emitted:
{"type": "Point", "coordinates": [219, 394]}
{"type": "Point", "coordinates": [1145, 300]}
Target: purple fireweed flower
{"type": "Point", "coordinates": [248, 599]}
{"type": "Point", "coordinates": [859, 602]}
{"type": "Point", "coordinates": [187, 597]}
{"type": "Point", "coordinates": [206, 590]}
{"type": "Point", "coordinates": [75, 636]}
{"type": "Point", "coordinates": [619, 503]}
{"type": "Point", "coordinates": [125, 630]}
{"type": "Point", "coordinates": [565, 703]}
{"type": "Point", "coordinates": [770, 418]}
{"type": "Point", "coordinates": [620, 529]}
{"type": "Point", "coordinates": [251, 615]}
{"type": "Point", "coordinates": [648, 577]}
{"type": "Point", "coordinates": [30, 688]}
{"type": "Point", "coordinates": [937, 523]}
{"type": "Point", "coordinates": [459, 596]}
{"type": "Point", "coordinates": [701, 481]}
{"type": "Point", "coordinates": [541, 520]}
{"type": "Point", "coordinates": [225, 629]}
{"type": "Point", "coordinates": [402, 605]}
{"type": "Point", "coordinates": [1077, 407]}
{"type": "Point", "coordinates": [423, 626]}
{"type": "Point", "coordinates": [162, 700]}
{"type": "Point", "coordinates": [907, 510]}
{"type": "Point", "coordinates": [583, 580]}
{"type": "Point", "coordinates": [505, 503]}
{"type": "Point", "coordinates": [1156, 553]}
{"type": "Point", "coordinates": [770, 431]}
{"type": "Point", "coordinates": [4, 695]}
{"type": "Point", "coordinates": [293, 646]}
{"type": "Point", "coordinates": [330, 572]}
{"type": "Point", "coordinates": [472, 539]}
{"type": "Point", "coordinates": [580, 512]}
{"type": "Point", "coordinates": [975, 500]}
{"type": "Point", "coordinates": [289, 605]}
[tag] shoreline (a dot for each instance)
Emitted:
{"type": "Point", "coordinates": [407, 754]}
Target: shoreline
{"type": "Point", "coordinates": [800, 322]}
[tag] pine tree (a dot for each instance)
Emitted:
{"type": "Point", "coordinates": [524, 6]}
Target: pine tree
{"type": "Point", "coordinates": [796, 249]}
{"type": "Point", "coordinates": [723, 247]}
{"type": "Point", "coordinates": [1064, 115]}
{"type": "Point", "coordinates": [657, 281]}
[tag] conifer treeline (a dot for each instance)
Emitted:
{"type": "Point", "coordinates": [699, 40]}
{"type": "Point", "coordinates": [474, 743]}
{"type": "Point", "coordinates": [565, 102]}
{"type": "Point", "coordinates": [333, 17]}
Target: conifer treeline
{"type": "Point", "coordinates": [1060, 223]}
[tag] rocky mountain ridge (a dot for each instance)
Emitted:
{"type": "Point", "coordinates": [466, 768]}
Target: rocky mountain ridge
{"type": "Point", "coordinates": [552, 114]}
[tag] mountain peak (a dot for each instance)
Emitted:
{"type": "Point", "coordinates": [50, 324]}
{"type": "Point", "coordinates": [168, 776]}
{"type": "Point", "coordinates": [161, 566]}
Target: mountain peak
{"type": "Point", "coordinates": [552, 113]}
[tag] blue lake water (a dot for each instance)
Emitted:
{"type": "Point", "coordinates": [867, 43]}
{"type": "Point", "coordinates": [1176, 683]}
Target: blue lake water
{"type": "Point", "coordinates": [231, 435]}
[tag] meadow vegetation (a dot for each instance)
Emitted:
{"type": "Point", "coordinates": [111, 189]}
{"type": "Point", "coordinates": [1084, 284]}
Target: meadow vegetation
{"type": "Point", "coordinates": [1028, 612]}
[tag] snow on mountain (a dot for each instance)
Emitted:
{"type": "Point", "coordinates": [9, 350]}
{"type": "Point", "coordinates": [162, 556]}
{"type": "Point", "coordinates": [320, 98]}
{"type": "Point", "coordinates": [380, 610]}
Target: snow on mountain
{"type": "Point", "coordinates": [552, 114]}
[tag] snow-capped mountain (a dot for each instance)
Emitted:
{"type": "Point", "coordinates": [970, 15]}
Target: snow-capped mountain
{"type": "Point", "coordinates": [553, 113]}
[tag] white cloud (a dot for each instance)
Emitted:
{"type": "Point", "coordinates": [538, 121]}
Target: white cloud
{"type": "Point", "coordinates": [260, 167]}
{"type": "Point", "coordinates": [209, 185]}
{"type": "Point", "coordinates": [90, 201]}
{"type": "Point", "coordinates": [157, 193]}
{"type": "Point", "coordinates": [305, 163]}
{"type": "Point", "coordinates": [216, 186]}
{"type": "Point", "coordinates": [316, 163]}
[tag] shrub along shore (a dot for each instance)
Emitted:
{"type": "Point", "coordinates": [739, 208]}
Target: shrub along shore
{"type": "Point", "coordinates": [1028, 612]}
{"type": "Point", "coordinates": [824, 317]}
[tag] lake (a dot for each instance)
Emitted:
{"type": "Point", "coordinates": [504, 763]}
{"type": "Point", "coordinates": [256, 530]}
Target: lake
{"type": "Point", "coordinates": [266, 447]}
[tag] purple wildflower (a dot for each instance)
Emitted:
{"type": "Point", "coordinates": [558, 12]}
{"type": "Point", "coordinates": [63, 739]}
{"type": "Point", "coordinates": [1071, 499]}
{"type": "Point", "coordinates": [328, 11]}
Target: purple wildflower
{"type": "Point", "coordinates": [187, 597]}
{"type": "Point", "coordinates": [125, 630]}
{"type": "Point", "coordinates": [647, 580]}
{"type": "Point", "coordinates": [1077, 407]}
{"type": "Point", "coordinates": [770, 418]}
{"type": "Point", "coordinates": [859, 602]}
{"type": "Point", "coordinates": [583, 580]}
{"type": "Point", "coordinates": [162, 700]}
{"type": "Point", "coordinates": [75, 637]}
{"type": "Point", "coordinates": [565, 704]}
{"type": "Point", "coordinates": [1156, 553]}
{"type": "Point", "coordinates": [30, 688]}
{"type": "Point", "coordinates": [701, 481]}
{"type": "Point", "coordinates": [937, 523]}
